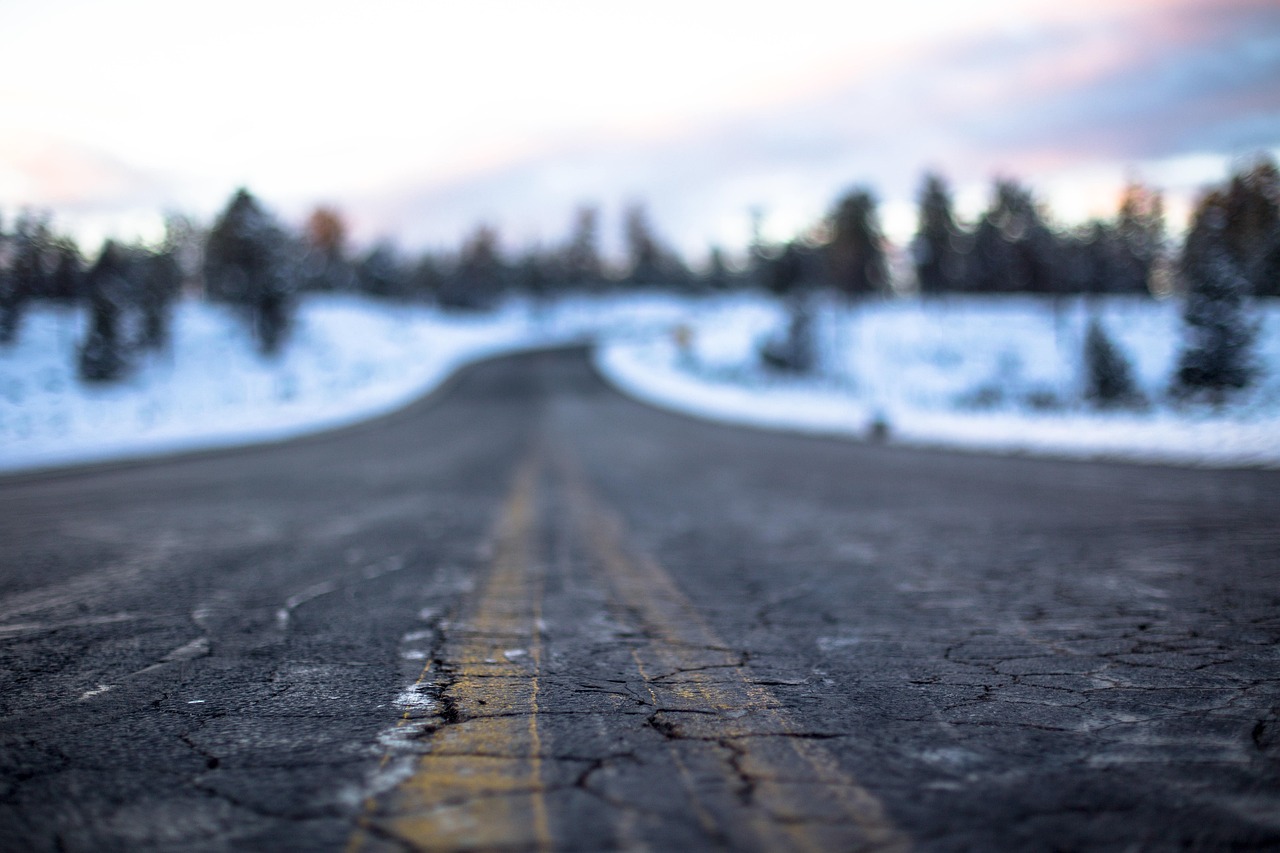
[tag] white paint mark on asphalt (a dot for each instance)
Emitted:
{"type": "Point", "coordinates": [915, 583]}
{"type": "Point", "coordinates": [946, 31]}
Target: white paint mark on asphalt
{"type": "Point", "coordinates": [414, 654]}
{"type": "Point", "coordinates": [840, 641]}
{"type": "Point", "coordinates": [426, 614]}
{"type": "Point", "coordinates": [300, 598]}
{"type": "Point", "coordinates": [415, 636]}
{"type": "Point", "coordinates": [197, 648]}
{"type": "Point", "coordinates": [97, 691]}
{"type": "Point", "coordinates": [196, 702]}
{"type": "Point", "coordinates": [513, 654]}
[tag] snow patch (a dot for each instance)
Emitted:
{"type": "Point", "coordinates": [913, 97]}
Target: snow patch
{"type": "Point", "coordinates": [348, 359]}
{"type": "Point", "coordinates": [990, 374]}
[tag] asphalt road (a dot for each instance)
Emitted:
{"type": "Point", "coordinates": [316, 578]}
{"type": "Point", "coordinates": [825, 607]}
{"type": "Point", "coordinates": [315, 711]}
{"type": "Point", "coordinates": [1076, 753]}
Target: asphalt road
{"type": "Point", "coordinates": [528, 613]}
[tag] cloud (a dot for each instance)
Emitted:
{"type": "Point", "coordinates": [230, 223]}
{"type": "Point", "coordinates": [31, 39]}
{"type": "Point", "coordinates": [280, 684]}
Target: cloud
{"type": "Point", "coordinates": [1145, 86]}
{"type": "Point", "coordinates": [703, 117]}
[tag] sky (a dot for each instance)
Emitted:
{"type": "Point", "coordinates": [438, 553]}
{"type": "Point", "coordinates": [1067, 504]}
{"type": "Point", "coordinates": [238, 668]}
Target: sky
{"type": "Point", "coordinates": [420, 120]}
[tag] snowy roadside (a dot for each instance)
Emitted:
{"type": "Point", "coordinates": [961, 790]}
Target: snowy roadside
{"type": "Point", "coordinates": [1000, 375]}
{"type": "Point", "coordinates": [991, 375]}
{"type": "Point", "coordinates": [348, 359]}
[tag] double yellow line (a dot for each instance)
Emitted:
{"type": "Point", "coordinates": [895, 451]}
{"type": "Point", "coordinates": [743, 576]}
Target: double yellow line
{"type": "Point", "coordinates": [481, 787]}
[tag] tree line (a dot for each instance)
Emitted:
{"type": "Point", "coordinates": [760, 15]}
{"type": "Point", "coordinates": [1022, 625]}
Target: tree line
{"type": "Point", "coordinates": [249, 260]}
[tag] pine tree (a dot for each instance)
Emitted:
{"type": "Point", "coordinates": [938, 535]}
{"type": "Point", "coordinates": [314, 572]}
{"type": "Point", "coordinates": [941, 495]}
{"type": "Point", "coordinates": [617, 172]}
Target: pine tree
{"type": "Point", "coordinates": [1014, 249]}
{"type": "Point", "coordinates": [718, 275]}
{"type": "Point", "coordinates": [246, 265]}
{"type": "Point", "coordinates": [648, 261]}
{"type": "Point", "coordinates": [856, 251]}
{"type": "Point", "coordinates": [67, 280]}
{"type": "Point", "coordinates": [26, 277]}
{"type": "Point", "coordinates": [1108, 374]}
{"type": "Point", "coordinates": [1251, 230]}
{"type": "Point", "coordinates": [938, 264]}
{"type": "Point", "coordinates": [1139, 236]}
{"type": "Point", "coordinates": [580, 259]}
{"type": "Point", "coordinates": [1217, 354]}
{"type": "Point", "coordinates": [103, 356]}
{"type": "Point", "coordinates": [380, 273]}
{"type": "Point", "coordinates": [481, 273]}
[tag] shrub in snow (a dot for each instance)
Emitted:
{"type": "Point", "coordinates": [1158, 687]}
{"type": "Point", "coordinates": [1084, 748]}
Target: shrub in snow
{"type": "Point", "coordinates": [794, 351]}
{"type": "Point", "coordinates": [1217, 355]}
{"type": "Point", "coordinates": [1108, 375]}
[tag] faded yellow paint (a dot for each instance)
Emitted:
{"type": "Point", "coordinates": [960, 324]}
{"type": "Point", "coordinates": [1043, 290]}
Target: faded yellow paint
{"type": "Point", "coordinates": [480, 784]}
{"type": "Point", "coordinates": [799, 792]}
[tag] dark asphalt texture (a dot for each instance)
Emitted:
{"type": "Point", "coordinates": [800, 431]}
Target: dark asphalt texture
{"type": "Point", "coordinates": [212, 652]}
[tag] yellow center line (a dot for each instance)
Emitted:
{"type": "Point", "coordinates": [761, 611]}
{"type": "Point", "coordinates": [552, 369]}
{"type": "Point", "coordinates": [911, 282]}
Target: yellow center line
{"type": "Point", "coordinates": [800, 798]}
{"type": "Point", "coordinates": [541, 824]}
{"type": "Point", "coordinates": [480, 786]}
{"type": "Point", "coordinates": [705, 820]}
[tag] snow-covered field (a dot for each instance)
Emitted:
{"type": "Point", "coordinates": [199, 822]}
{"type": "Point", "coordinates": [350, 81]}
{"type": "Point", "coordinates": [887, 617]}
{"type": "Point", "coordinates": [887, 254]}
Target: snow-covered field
{"type": "Point", "coordinates": [347, 359]}
{"type": "Point", "coordinates": [998, 374]}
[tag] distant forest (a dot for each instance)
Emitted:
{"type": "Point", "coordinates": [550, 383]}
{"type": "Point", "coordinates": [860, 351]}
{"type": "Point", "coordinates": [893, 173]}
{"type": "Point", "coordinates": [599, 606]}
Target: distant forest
{"type": "Point", "coordinates": [251, 261]}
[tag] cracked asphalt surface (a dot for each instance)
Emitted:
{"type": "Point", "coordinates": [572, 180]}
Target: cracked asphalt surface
{"type": "Point", "coordinates": [528, 613]}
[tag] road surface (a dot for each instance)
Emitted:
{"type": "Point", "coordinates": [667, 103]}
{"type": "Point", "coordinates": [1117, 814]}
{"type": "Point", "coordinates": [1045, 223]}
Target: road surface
{"type": "Point", "coordinates": [528, 613]}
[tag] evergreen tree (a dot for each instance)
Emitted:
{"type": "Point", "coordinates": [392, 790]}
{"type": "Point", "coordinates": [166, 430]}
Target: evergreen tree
{"type": "Point", "coordinates": [534, 276]}
{"type": "Point", "coordinates": [8, 292]}
{"type": "Point", "coordinates": [103, 356]}
{"type": "Point", "coordinates": [648, 261]}
{"type": "Point", "coordinates": [1251, 230]}
{"type": "Point", "coordinates": [247, 265]}
{"type": "Point", "coordinates": [1013, 248]}
{"type": "Point", "coordinates": [27, 275]}
{"type": "Point", "coordinates": [1138, 238]}
{"type": "Point", "coordinates": [718, 276]}
{"type": "Point", "coordinates": [580, 261]}
{"type": "Point", "coordinates": [426, 278]}
{"type": "Point", "coordinates": [66, 283]}
{"type": "Point", "coordinates": [1109, 376]}
{"type": "Point", "coordinates": [938, 264]}
{"type": "Point", "coordinates": [157, 279]}
{"type": "Point", "coordinates": [1217, 354]}
{"type": "Point", "coordinates": [380, 273]}
{"type": "Point", "coordinates": [786, 274]}
{"type": "Point", "coordinates": [478, 280]}
{"type": "Point", "coordinates": [856, 254]}
{"type": "Point", "coordinates": [1264, 271]}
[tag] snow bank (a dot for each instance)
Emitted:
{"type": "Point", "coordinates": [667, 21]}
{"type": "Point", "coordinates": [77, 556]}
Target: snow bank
{"type": "Point", "coordinates": [348, 359]}
{"type": "Point", "coordinates": [1000, 375]}
{"type": "Point", "coordinates": [995, 374]}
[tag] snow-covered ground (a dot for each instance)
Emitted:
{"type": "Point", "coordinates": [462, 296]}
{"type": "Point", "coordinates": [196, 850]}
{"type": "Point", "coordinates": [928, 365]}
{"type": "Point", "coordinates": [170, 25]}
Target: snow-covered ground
{"type": "Point", "coordinates": [347, 359]}
{"type": "Point", "coordinates": [999, 374]}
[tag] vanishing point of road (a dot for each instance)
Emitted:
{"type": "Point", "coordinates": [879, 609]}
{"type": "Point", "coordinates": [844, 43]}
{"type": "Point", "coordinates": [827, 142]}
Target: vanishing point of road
{"type": "Point", "coordinates": [530, 614]}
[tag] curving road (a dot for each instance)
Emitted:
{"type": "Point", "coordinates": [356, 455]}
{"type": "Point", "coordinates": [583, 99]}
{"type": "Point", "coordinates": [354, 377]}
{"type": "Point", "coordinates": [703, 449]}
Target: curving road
{"type": "Point", "coordinates": [528, 613]}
